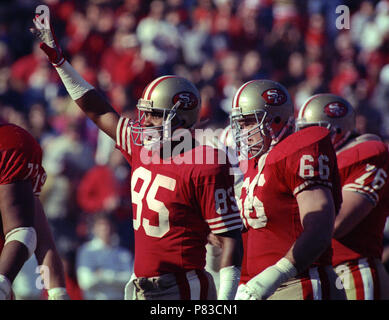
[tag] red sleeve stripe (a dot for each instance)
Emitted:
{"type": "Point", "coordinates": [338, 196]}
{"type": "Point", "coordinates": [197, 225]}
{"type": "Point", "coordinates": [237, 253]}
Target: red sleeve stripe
{"type": "Point", "coordinates": [122, 136]}
{"type": "Point", "coordinates": [221, 218]}
{"type": "Point", "coordinates": [309, 183]}
{"type": "Point", "coordinates": [225, 223]}
{"type": "Point", "coordinates": [365, 190]}
{"type": "Point", "coordinates": [229, 228]}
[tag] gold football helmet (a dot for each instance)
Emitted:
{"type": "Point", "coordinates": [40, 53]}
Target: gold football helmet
{"type": "Point", "coordinates": [176, 99]}
{"type": "Point", "coordinates": [330, 111]}
{"type": "Point", "coordinates": [269, 102]}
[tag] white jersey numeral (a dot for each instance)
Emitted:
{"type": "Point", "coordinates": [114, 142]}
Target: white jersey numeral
{"type": "Point", "coordinates": [308, 171]}
{"type": "Point", "coordinates": [259, 220]}
{"type": "Point", "coordinates": [324, 169]}
{"type": "Point", "coordinates": [33, 173]}
{"type": "Point", "coordinates": [221, 200]}
{"type": "Point", "coordinates": [160, 181]}
{"type": "Point", "coordinates": [379, 180]}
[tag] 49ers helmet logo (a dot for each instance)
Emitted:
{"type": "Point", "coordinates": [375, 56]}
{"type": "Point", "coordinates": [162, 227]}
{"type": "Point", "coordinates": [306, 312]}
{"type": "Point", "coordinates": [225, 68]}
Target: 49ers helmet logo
{"type": "Point", "coordinates": [335, 110]}
{"type": "Point", "coordinates": [274, 97]}
{"type": "Point", "coordinates": [188, 98]}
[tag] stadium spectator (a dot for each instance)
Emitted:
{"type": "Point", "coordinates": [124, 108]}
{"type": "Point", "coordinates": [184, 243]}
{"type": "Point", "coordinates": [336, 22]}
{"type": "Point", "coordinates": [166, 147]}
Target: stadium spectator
{"type": "Point", "coordinates": [99, 189]}
{"type": "Point", "coordinates": [106, 188]}
{"type": "Point", "coordinates": [103, 267]}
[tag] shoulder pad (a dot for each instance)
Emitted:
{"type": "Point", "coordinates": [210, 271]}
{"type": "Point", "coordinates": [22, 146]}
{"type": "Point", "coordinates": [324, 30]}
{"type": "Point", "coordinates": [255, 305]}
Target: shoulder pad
{"type": "Point", "coordinates": [298, 141]}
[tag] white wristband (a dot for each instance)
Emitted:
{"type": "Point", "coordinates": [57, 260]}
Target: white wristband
{"type": "Point", "coordinates": [72, 80]}
{"type": "Point", "coordinates": [229, 281]}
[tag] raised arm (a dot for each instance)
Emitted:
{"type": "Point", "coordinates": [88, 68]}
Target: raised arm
{"type": "Point", "coordinates": [83, 93]}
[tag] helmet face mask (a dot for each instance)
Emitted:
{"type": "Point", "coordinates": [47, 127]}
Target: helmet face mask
{"type": "Point", "coordinates": [159, 128]}
{"type": "Point", "coordinates": [262, 113]}
{"type": "Point", "coordinates": [252, 133]}
{"type": "Point", "coordinates": [329, 111]}
{"type": "Point", "coordinates": [167, 103]}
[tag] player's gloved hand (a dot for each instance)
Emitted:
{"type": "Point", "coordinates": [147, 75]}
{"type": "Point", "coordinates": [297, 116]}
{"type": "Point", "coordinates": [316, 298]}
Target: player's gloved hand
{"type": "Point", "coordinates": [43, 31]}
{"type": "Point", "coordinates": [58, 294]}
{"type": "Point", "coordinates": [266, 283]}
{"type": "Point", "coordinates": [5, 288]}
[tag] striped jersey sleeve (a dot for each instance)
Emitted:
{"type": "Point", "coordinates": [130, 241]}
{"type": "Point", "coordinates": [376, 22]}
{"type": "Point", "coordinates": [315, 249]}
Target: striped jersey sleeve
{"type": "Point", "coordinates": [20, 158]}
{"type": "Point", "coordinates": [364, 169]}
{"type": "Point", "coordinates": [369, 180]}
{"type": "Point", "coordinates": [311, 165]}
{"type": "Point", "coordinates": [123, 134]}
{"type": "Point", "coordinates": [225, 223]}
{"type": "Point", "coordinates": [216, 197]}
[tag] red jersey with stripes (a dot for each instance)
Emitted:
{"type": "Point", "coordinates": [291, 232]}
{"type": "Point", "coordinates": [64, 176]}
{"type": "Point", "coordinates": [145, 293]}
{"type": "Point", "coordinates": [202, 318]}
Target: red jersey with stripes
{"type": "Point", "coordinates": [175, 205]}
{"type": "Point", "coordinates": [20, 157]}
{"type": "Point", "coordinates": [364, 168]}
{"type": "Point", "coordinates": [269, 207]}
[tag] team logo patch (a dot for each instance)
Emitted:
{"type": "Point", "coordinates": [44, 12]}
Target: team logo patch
{"type": "Point", "coordinates": [189, 100]}
{"type": "Point", "coordinates": [274, 97]}
{"type": "Point", "coordinates": [335, 110]}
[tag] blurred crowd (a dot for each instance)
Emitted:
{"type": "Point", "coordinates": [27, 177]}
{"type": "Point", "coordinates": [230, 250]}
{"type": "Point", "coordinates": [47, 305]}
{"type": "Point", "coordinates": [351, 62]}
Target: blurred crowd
{"type": "Point", "coordinates": [119, 46]}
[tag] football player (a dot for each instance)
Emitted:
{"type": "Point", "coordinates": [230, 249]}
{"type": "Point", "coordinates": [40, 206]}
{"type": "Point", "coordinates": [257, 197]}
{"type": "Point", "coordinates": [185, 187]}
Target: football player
{"type": "Point", "coordinates": [225, 141]}
{"type": "Point", "coordinates": [25, 229]}
{"type": "Point", "coordinates": [176, 204]}
{"type": "Point", "coordinates": [289, 198]}
{"type": "Point", "coordinates": [363, 162]}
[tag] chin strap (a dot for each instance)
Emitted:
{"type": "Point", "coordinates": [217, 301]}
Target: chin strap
{"type": "Point", "coordinates": [167, 127]}
{"type": "Point", "coordinates": [342, 141]}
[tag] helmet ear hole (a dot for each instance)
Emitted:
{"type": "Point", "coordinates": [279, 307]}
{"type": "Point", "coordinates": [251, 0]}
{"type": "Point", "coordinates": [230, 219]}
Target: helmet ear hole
{"type": "Point", "coordinates": [277, 120]}
{"type": "Point", "coordinates": [338, 130]}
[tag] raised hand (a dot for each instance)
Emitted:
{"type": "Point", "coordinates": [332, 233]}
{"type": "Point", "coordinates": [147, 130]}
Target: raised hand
{"type": "Point", "coordinates": [43, 31]}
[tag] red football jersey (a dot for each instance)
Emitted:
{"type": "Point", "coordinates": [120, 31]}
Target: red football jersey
{"type": "Point", "coordinates": [268, 199]}
{"type": "Point", "coordinates": [21, 157]}
{"type": "Point", "coordinates": [364, 168]}
{"type": "Point", "coordinates": [176, 205]}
